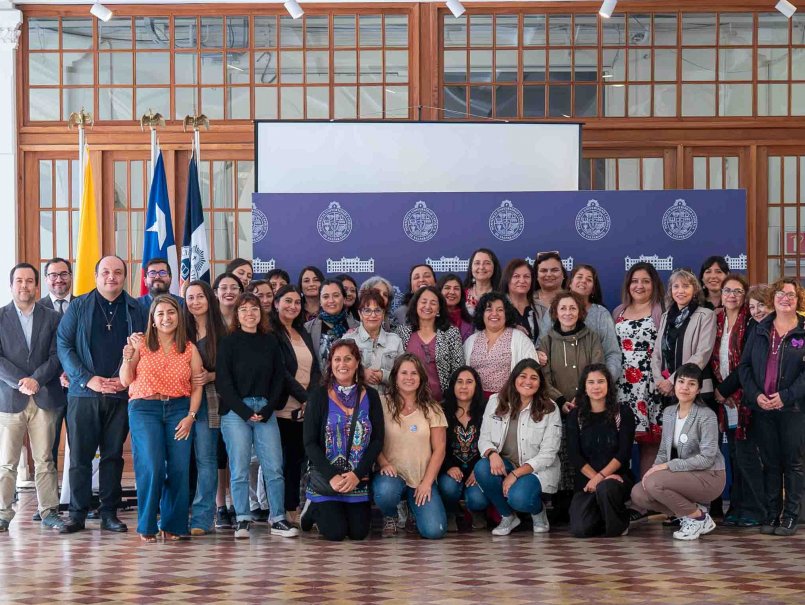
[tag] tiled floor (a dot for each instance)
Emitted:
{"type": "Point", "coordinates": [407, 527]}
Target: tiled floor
{"type": "Point", "coordinates": [728, 566]}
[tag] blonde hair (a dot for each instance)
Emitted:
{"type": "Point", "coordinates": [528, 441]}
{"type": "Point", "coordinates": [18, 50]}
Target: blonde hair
{"type": "Point", "coordinates": [689, 278]}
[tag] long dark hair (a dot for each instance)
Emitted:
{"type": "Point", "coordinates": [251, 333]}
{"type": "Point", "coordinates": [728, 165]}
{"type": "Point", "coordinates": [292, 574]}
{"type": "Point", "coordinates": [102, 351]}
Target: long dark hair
{"type": "Point", "coordinates": [424, 398]}
{"type": "Point", "coordinates": [442, 322]}
{"type": "Point", "coordinates": [462, 302]}
{"type": "Point", "coordinates": [509, 398]}
{"type": "Point", "coordinates": [315, 270]}
{"type": "Point", "coordinates": [477, 403]}
{"type": "Point", "coordinates": [709, 262]}
{"type": "Point", "coordinates": [274, 318]}
{"type": "Point", "coordinates": [657, 287]}
{"type": "Point", "coordinates": [583, 400]}
{"type": "Point", "coordinates": [541, 258]}
{"type": "Point", "coordinates": [327, 376]}
{"type": "Point", "coordinates": [597, 295]}
{"type": "Point", "coordinates": [410, 293]}
{"type": "Point", "coordinates": [495, 280]}
{"type": "Point", "coordinates": [215, 329]}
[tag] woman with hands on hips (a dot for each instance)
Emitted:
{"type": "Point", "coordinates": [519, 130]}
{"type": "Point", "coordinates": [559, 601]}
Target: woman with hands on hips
{"type": "Point", "coordinates": [163, 401]}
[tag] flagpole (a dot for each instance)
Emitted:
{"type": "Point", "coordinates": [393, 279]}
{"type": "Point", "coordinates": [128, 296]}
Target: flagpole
{"type": "Point", "coordinates": [152, 120]}
{"type": "Point", "coordinates": [80, 119]}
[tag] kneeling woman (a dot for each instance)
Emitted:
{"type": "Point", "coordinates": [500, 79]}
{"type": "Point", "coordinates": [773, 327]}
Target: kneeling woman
{"type": "Point", "coordinates": [600, 433]}
{"type": "Point", "coordinates": [413, 451]}
{"type": "Point", "coordinates": [343, 434]}
{"type": "Point", "coordinates": [689, 467]}
{"type": "Point", "coordinates": [519, 445]}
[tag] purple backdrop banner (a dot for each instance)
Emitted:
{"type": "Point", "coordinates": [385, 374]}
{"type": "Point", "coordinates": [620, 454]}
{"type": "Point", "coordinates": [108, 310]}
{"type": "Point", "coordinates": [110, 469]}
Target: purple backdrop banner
{"type": "Point", "coordinates": [364, 234]}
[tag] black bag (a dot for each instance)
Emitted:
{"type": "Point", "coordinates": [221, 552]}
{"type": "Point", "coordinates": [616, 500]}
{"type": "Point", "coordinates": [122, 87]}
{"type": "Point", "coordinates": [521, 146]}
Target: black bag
{"type": "Point", "coordinates": [317, 481]}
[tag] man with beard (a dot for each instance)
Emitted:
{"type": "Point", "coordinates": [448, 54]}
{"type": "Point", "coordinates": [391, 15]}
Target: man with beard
{"type": "Point", "coordinates": [30, 394]}
{"type": "Point", "coordinates": [158, 278]}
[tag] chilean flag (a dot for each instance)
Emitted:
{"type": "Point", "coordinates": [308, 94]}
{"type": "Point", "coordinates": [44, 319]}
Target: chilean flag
{"type": "Point", "coordinates": [195, 253]}
{"type": "Point", "coordinates": [159, 241]}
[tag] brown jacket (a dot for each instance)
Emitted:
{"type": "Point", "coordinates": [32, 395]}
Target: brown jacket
{"type": "Point", "coordinates": [567, 357]}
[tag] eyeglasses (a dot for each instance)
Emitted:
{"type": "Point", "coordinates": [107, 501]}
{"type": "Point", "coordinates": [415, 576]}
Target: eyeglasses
{"type": "Point", "coordinates": [228, 289]}
{"type": "Point", "coordinates": [789, 295]}
{"type": "Point", "coordinates": [735, 291]}
{"type": "Point", "coordinates": [54, 276]}
{"type": "Point", "coordinates": [161, 273]}
{"type": "Point", "coordinates": [369, 311]}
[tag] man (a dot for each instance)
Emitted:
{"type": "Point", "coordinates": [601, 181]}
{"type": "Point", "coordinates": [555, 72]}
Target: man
{"type": "Point", "coordinates": [90, 342]}
{"type": "Point", "coordinates": [158, 278]}
{"type": "Point", "coordinates": [30, 395]}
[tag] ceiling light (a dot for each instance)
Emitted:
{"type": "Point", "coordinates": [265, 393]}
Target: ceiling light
{"type": "Point", "coordinates": [293, 8]}
{"type": "Point", "coordinates": [456, 8]}
{"type": "Point", "coordinates": [785, 7]}
{"type": "Point", "coordinates": [101, 12]}
{"type": "Point", "coordinates": [607, 7]}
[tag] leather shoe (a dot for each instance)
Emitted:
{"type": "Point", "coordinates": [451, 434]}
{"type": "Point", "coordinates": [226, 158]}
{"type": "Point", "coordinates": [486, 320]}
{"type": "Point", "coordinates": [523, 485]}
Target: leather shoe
{"type": "Point", "coordinates": [112, 523]}
{"type": "Point", "coordinates": [36, 516]}
{"type": "Point", "coordinates": [71, 526]}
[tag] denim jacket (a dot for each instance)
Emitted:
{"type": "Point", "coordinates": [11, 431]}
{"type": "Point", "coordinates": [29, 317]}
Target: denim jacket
{"type": "Point", "coordinates": [379, 354]}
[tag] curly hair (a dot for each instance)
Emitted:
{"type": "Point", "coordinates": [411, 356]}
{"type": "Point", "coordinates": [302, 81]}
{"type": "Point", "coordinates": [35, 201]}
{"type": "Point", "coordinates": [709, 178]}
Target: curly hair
{"type": "Point", "coordinates": [778, 287]}
{"type": "Point", "coordinates": [424, 398]}
{"type": "Point", "coordinates": [509, 398]}
{"type": "Point", "coordinates": [486, 300]}
{"type": "Point", "coordinates": [583, 399]}
{"type": "Point", "coordinates": [560, 296]}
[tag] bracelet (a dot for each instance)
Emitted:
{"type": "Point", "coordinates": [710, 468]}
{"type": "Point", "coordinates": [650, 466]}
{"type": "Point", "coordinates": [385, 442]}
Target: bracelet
{"type": "Point", "coordinates": [192, 414]}
{"type": "Point", "coordinates": [516, 476]}
{"type": "Point", "coordinates": [603, 476]}
{"type": "Point", "coordinates": [128, 359]}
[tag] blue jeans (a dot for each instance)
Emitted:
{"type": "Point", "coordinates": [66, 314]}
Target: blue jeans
{"type": "Point", "coordinates": [431, 518]}
{"type": "Point", "coordinates": [161, 465]}
{"type": "Point", "coordinates": [452, 491]}
{"type": "Point", "coordinates": [525, 495]}
{"type": "Point", "coordinates": [205, 442]}
{"type": "Point", "coordinates": [240, 436]}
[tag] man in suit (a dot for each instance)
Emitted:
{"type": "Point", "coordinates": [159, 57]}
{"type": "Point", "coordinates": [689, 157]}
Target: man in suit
{"type": "Point", "coordinates": [30, 394]}
{"type": "Point", "coordinates": [90, 342]}
{"type": "Point", "coordinates": [158, 279]}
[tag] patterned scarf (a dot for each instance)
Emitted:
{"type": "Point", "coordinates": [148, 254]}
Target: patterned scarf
{"type": "Point", "coordinates": [737, 342]}
{"type": "Point", "coordinates": [347, 396]}
{"type": "Point", "coordinates": [674, 327]}
{"type": "Point", "coordinates": [338, 323]}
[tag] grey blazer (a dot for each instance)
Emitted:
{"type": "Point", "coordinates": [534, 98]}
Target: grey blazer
{"type": "Point", "coordinates": [40, 363]}
{"type": "Point", "coordinates": [697, 346]}
{"type": "Point", "coordinates": [700, 450]}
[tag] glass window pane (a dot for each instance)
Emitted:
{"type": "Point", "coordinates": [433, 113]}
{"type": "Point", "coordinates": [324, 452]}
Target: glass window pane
{"type": "Point", "coordinates": [345, 66]}
{"type": "Point", "coordinates": [212, 32]}
{"type": "Point", "coordinates": [77, 68]}
{"type": "Point", "coordinates": [480, 65]}
{"type": "Point", "coordinates": [152, 32]}
{"type": "Point", "coordinates": [291, 32]}
{"type": "Point", "coordinates": [396, 101]}
{"type": "Point", "coordinates": [43, 68]}
{"type": "Point", "coordinates": [639, 30]}
{"type": "Point", "coordinates": [534, 33]}
{"type": "Point", "coordinates": [212, 68]}
{"type": "Point", "coordinates": [344, 30]}
{"type": "Point", "coordinates": [346, 104]}
{"type": "Point", "coordinates": [640, 64]}
{"type": "Point", "coordinates": [153, 68]}
{"type": "Point", "coordinates": [371, 32]}
{"type": "Point", "coordinates": [115, 68]}
{"type": "Point", "coordinates": [506, 101]}
{"type": "Point", "coordinates": [237, 68]}
{"type": "Point", "coordinates": [735, 64]}
{"type": "Point", "coordinates": [265, 67]}
{"type": "Point", "coordinates": [237, 32]}
{"type": "Point", "coordinates": [628, 173]}
{"type": "Point", "coordinates": [317, 66]}
{"type": "Point", "coordinates": [318, 102]}
{"type": "Point", "coordinates": [585, 65]}
{"type": "Point", "coordinates": [397, 30]}
{"type": "Point", "coordinates": [735, 99]}
{"type": "Point", "coordinates": [731, 172]}
{"type": "Point", "coordinates": [700, 172]}
{"type": "Point", "coordinates": [735, 29]}
{"type": "Point", "coordinates": [185, 68]}
{"type": "Point", "coordinates": [223, 184]}
{"type": "Point", "coordinates": [506, 30]}
{"type": "Point", "coordinates": [62, 221]}
{"type": "Point", "coordinates": [698, 29]}
{"type": "Point", "coordinates": [186, 103]}
{"type": "Point", "coordinates": [772, 99]}
{"type": "Point", "coordinates": [614, 30]}
{"type": "Point", "coordinates": [798, 101]}
{"type": "Point", "coordinates": [653, 176]}
{"type": "Point", "coordinates": [212, 102]}
{"type": "Point", "coordinates": [772, 28]}
{"type": "Point", "coordinates": [43, 33]}
{"type": "Point", "coordinates": [265, 103]}
{"type": "Point", "coordinates": [137, 220]}
{"type": "Point", "coordinates": [506, 66]}
{"type": "Point", "coordinates": [639, 100]}
{"type": "Point", "coordinates": [291, 103]}
{"type": "Point", "coordinates": [585, 30]}
{"type": "Point", "coordinates": [46, 234]}
{"type": "Point", "coordinates": [115, 33]}
{"type": "Point", "coordinates": [455, 31]}
{"type": "Point", "coordinates": [665, 30]}
{"type": "Point", "coordinates": [122, 234]}
{"type": "Point", "coordinates": [223, 235]}
{"type": "Point", "coordinates": [397, 65]}
{"type": "Point", "coordinates": [185, 32]}
{"type": "Point", "coordinates": [614, 67]}
{"type": "Point", "coordinates": [317, 31]}
{"type": "Point", "coordinates": [138, 191]}
{"type": "Point", "coordinates": [76, 32]}
{"type": "Point", "coordinates": [45, 183]}
{"type": "Point", "coordinates": [155, 99]}
{"type": "Point", "coordinates": [698, 99]}
{"type": "Point", "coordinates": [265, 31]}
{"type": "Point", "coordinates": [772, 64]}
{"type": "Point", "coordinates": [481, 30]}
{"type": "Point", "coordinates": [534, 65]}
{"type": "Point", "coordinates": [559, 101]}
{"type": "Point", "coordinates": [371, 66]}
{"type": "Point", "coordinates": [291, 67]}
{"type": "Point", "coordinates": [585, 102]}
{"type": "Point", "coordinates": [559, 70]}
{"type": "Point", "coordinates": [371, 102]}
{"type": "Point", "coordinates": [244, 235]}
{"type": "Point", "coordinates": [245, 183]}
{"type": "Point", "coordinates": [775, 164]}
{"type": "Point", "coordinates": [115, 104]}
{"type": "Point", "coordinates": [77, 176]}
{"type": "Point", "coordinates": [534, 101]}
{"type": "Point", "coordinates": [455, 101]}
{"type": "Point", "coordinates": [614, 100]}
{"type": "Point", "coordinates": [76, 99]}
{"type": "Point", "coordinates": [559, 30]}
{"type": "Point", "coordinates": [665, 65]}
{"type": "Point", "coordinates": [43, 104]}
{"type": "Point", "coordinates": [798, 63]}
{"type": "Point", "coordinates": [121, 184]}
{"type": "Point", "coordinates": [481, 101]}
{"type": "Point", "coordinates": [698, 64]}
{"type": "Point", "coordinates": [789, 182]}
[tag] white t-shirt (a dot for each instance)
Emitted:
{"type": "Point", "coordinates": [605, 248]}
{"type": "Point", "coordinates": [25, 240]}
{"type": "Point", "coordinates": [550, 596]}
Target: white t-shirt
{"type": "Point", "coordinates": [678, 426]}
{"type": "Point", "coordinates": [724, 350]}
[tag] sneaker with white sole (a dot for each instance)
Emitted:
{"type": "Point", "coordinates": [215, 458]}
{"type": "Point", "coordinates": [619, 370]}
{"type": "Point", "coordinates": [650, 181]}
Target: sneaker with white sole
{"type": "Point", "coordinates": [284, 529]}
{"type": "Point", "coordinates": [242, 529]}
{"type": "Point", "coordinates": [691, 529]}
{"type": "Point", "coordinates": [541, 524]}
{"type": "Point", "coordinates": [506, 525]}
{"type": "Point", "coordinates": [389, 527]}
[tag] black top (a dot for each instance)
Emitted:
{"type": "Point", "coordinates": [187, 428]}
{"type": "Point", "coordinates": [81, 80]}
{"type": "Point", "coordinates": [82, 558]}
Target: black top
{"type": "Point", "coordinates": [107, 345]}
{"type": "Point", "coordinates": [462, 446]}
{"type": "Point", "coordinates": [313, 431]}
{"type": "Point", "coordinates": [249, 365]}
{"type": "Point", "coordinates": [599, 441]}
{"type": "Point", "coordinates": [201, 345]}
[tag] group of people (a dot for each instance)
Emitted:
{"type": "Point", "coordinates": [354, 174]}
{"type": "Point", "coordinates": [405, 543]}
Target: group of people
{"type": "Point", "coordinates": [510, 395]}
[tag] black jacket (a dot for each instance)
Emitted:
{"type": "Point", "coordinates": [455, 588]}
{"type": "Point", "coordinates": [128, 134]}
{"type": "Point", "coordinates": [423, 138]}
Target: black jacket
{"type": "Point", "coordinates": [791, 378]}
{"type": "Point", "coordinates": [292, 386]}
{"type": "Point", "coordinates": [314, 427]}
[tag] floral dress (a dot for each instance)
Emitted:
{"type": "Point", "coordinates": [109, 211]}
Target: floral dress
{"type": "Point", "coordinates": [636, 386]}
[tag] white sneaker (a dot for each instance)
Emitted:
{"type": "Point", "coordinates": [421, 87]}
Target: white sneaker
{"type": "Point", "coordinates": [709, 524]}
{"type": "Point", "coordinates": [242, 529]}
{"type": "Point", "coordinates": [541, 523]}
{"type": "Point", "coordinates": [691, 529]}
{"type": "Point", "coordinates": [506, 525]}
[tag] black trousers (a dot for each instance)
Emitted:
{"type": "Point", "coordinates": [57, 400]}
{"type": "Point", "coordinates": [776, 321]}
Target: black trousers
{"type": "Point", "coordinates": [781, 438]}
{"type": "Point", "coordinates": [602, 512]}
{"type": "Point", "coordinates": [338, 520]}
{"type": "Point", "coordinates": [747, 496]}
{"type": "Point", "coordinates": [293, 455]}
{"type": "Point", "coordinates": [93, 423]}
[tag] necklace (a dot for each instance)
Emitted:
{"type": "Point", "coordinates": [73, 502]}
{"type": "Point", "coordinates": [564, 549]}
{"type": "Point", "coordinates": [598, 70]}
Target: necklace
{"type": "Point", "coordinates": [776, 349]}
{"type": "Point", "coordinates": [112, 318]}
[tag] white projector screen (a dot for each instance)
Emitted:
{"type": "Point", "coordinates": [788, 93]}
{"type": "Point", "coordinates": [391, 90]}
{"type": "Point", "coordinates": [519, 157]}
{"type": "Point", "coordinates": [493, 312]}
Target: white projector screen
{"type": "Point", "coordinates": [359, 157]}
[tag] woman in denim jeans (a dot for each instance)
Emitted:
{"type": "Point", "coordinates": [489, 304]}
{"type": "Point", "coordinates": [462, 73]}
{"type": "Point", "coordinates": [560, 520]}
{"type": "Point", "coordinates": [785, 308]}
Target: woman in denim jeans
{"type": "Point", "coordinates": [205, 329]}
{"type": "Point", "coordinates": [164, 402]}
{"type": "Point", "coordinates": [249, 376]}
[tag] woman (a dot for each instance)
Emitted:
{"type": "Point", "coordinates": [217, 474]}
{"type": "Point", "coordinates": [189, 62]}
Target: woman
{"type": "Point", "coordinates": [551, 278]}
{"type": "Point", "coordinates": [711, 278]}
{"type": "Point", "coordinates": [242, 269]}
{"type": "Point", "coordinates": [772, 373]}
{"type": "Point", "coordinates": [332, 322]}
{"type": "Point", "coordinates": [496, 347]}
{"type": "Point", "coordinates": [227, 287]}
{"type": "Point", "coordinates": [413, 451]}
{"type": "Point", "coordinates": [420, 276]}
{"type": "Point", "coordinates": [263, 291]}
{"type": "Point", "coordinates": [453, 291]}
{"type": "Point", "coordinates": [759, 297]}
{"type": "Point", "coordinates": [689, 467]}
{"type": "Point", "coordinates": [249, 376]}
{"type": "Point", "coordinates": [600, 432]}
{"type": "Point", "coordinates": [382, 285]}
{"type": "Point", "coordinates": [519, 445]}
{"type": "Point", "coordinates": [278, 278]}
{"type": "Point", "coordinates": [302, 377]}
{"type": "Point", "coordinates": [343, 433]}
{"type": "Point", "coordinates": [379, 349]}
{"type": "Point", "coordinates": [517, 283]}
{"type": "Point", "coordinates": [205, 329]}
{"type": "Point", "coordinates": [483, 275]}
{"type": "Point", "coordinates": [686, 334]}
{"type": "Point", "coordinates": [464, 404]}
{"type": "Point", "coordinates": [310, 280]}
{"type": "Point", "coordinates": [428, 334]}
{"type": "Point", "coordinates": [584, 281]}
{"type": "Point", "coordinates": [350, 294]}
{"type": "Point", "coordinates": [637, 320]}
{"type": "Point", "coordinates": [164, 401]}
{"type": "Point", "coordinates": [732, 324]}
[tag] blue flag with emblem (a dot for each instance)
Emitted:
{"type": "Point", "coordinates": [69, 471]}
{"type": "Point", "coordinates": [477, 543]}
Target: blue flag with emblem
{"type": "Point", "coordinates": [159, 241]}
{"type": "Point", "coordinates": [195, 254]}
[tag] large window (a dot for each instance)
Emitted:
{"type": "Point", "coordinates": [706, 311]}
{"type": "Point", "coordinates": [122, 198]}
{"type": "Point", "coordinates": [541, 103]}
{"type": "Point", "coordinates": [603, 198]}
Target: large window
{"type": "Point", "coordinates": [786, 216]}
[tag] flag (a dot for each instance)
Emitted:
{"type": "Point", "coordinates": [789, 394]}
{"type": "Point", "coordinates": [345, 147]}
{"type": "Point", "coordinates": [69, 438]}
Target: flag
{"type": "Point", "coordinates": [195, 254]}
{"type": "Point", "coordinates": [159, 241]}
{"type": "Point", "coordinates": [88, 252]}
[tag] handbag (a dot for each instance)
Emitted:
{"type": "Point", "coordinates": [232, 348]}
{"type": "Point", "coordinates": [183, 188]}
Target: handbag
{"type": "Point", "coordinates": [318, 482]}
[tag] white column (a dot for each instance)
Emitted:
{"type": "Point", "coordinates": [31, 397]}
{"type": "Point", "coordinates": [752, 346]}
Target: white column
{"type": "Point", "coordinates": [10, 22]}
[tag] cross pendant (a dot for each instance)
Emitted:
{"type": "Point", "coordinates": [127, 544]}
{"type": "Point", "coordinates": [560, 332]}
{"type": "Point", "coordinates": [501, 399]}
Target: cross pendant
{"type": "Point", "coordinates": [109, 327]}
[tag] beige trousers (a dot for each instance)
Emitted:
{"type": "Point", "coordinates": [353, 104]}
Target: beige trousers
{"type": "Point", "coordinates": [41, 427]}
